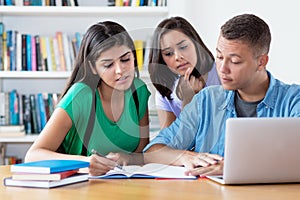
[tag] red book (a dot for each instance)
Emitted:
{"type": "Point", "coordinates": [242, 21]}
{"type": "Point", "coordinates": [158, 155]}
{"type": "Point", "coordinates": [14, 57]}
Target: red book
{"type": "Point", "coordinates": [43, 177]}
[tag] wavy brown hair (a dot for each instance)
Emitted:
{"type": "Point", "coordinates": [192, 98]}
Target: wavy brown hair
{"type": "Point", "coordinates": [161, 76]}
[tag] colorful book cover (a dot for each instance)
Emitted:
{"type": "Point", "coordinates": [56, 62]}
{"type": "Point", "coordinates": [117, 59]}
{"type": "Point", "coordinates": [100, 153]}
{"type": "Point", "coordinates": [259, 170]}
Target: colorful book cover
{"type": "Point", "coordinates": [49, 166]}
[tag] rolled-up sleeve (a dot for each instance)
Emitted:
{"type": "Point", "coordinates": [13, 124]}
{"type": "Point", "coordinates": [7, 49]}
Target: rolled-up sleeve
{"type": "Point", "coordinates": [181, 133]}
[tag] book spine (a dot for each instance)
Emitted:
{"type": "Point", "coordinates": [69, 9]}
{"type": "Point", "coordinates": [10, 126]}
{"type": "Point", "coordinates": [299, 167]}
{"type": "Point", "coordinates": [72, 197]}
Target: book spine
{"type": "Point", "coordinates": [18, 51]}
{"type": "Point", "coordinates": [61, 51]}
{"type": "Point", "coordinates": [56, 54]}
{"type": "Point", "coordinates": [38, 53]}
{"type": "Point", "coordinates": [5, 58]}
{"type": "Point", "coordinates": [67, 55]}
{"type": "Point", "coordinates": [24, 53]}
{"type": "Point", "coordinates": [33, 54]}
{"type": "Point", "coordinates": [42, 110]}
{"type": "Point", "coordinates": [48, 50]}
{"type": "Point", "coordinates": [44, 53]}
{"type": "Point", "coordinates": [52, 54]}
{"type": "Point", "coordinates": [14, 107]}
{"type": "Point", "coordinates": [139, 44]}
{"type": "Point", "coordinates": [28, 52]}
{"type": "Point", "coordinates": [7, 107]}
{"type": "Point", "coordinates": [2, 108]}
{"type": "Point", "coordinates": [26, 114]}
{"type": "Point", "coordinates": [1, 46]}
{"type": "Point", "coordinates": [34, 120]}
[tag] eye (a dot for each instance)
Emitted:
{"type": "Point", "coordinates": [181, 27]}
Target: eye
{"type": "Point", "coordinates": [219, 57]}
{"type": "Point", "coordinates": [183, 47]}
{"type": "Point", "coordinates": [169, 53]}
{"type": "Point", "coordinates": [108, 65]}
{"type": "Point", "coordinates": [125, 59]}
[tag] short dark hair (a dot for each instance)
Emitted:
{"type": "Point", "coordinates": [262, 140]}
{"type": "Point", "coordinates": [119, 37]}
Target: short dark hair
{"type": "Point", "coordinates": [250, 29]}
{"type": "Point", "coordinates": [161, 76]}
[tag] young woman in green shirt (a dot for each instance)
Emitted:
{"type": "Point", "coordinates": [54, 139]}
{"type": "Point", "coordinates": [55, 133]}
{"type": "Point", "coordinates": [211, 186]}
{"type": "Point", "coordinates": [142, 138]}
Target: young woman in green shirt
{"type": "Point", "coordinates": [104, 106]}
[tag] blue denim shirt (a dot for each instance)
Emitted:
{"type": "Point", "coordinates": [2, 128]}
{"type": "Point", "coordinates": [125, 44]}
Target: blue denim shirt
{"type": "Point", "coordinates": [201, 124]}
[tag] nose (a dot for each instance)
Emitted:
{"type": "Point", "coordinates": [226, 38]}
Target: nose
{"type": "Point", "coordinates": [178, 55]}
{"type": "Point", "coordinates": [223, 66]}
{"type": "Point", "coordinates": [119, 68]}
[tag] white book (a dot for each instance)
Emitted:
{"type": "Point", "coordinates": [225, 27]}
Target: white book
{"type": "Point", "coordinates": [66, 43]}
{"type": "Point", "coordinates": [46, 184]}
{"type": "Point", "coordinates": [19, 51]}
{"type": "Point", "coordinates": [56, 54]}
{"type": "Point", "coordinates": [2, 108]}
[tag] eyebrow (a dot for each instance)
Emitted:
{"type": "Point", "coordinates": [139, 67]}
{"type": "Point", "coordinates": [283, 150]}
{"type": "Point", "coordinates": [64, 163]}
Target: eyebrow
{"type": "Point", "coordinates": [110, 59]}
{"type": "Point", "coordinates": [231, 55]}
{"type": "Point", "coordinates": [179, 43]}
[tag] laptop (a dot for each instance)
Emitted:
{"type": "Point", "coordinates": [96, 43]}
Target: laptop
{"type": "Point", "coordinates": [261, 150]}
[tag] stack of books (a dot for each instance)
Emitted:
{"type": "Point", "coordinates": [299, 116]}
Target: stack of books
{"type": "Point", "coordinates": [12, 131]}
{"type": "Point", "coordinates": [47, 173]}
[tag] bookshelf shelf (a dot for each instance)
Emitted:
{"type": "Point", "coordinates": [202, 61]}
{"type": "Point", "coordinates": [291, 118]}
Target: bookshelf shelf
{"type": "Point", "coordinates": [25, 139]}
{"type": "Point", "coordinates": [33, 74]}
{"type": "Point", "coordinates": [58, 11]}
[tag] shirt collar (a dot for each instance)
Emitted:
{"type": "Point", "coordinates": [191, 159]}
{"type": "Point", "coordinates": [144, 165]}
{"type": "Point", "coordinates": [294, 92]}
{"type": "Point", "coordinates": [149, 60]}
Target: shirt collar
{"type": "Point", "coordinates": [269, 99]}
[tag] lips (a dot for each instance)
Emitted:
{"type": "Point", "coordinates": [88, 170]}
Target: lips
{"type": "Point", "coordinates": [122, 78]}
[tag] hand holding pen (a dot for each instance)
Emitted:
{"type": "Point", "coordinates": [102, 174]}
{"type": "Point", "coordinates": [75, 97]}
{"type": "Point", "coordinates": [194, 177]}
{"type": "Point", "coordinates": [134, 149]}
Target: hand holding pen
{"type": "Point", "coordinates": [100, 155]}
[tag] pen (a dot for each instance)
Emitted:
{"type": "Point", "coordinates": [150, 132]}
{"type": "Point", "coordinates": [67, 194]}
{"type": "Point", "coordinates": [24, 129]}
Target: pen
{"type": "Point", "coordinates": [98, 154]}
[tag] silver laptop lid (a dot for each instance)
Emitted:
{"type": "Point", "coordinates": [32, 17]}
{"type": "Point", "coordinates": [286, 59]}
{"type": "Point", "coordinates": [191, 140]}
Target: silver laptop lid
{"type": "Point", "coordinates": [262, 150]}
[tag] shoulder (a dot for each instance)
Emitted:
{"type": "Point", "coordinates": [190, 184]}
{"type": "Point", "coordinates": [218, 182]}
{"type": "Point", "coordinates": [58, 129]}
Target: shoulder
{"type": "Point", "coordinates": [78, 92]}
{"type": "Point", "coordinates": [140, 86]}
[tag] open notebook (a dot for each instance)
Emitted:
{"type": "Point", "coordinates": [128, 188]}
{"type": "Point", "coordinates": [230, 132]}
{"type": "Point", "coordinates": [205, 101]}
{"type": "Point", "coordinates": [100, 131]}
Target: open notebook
{"type": "Point", "coordinates": [151, 170]}
{"type": "Point", "coordinates": [261, 150]}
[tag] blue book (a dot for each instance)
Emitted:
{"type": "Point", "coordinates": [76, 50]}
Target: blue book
{"type": "Point", "coordinates": [28, 52]}
{"type": "Point", "coordinates": [42, 110]}
{"type": "Point", "coordinates": [49, 166]}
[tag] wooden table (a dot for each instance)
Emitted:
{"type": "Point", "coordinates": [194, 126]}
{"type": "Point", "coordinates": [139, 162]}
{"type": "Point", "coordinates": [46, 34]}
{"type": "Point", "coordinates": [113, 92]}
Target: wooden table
{"type": "Point", "coordinates": [144, 189]}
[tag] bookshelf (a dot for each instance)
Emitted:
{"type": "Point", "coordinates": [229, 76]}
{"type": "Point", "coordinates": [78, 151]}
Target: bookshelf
{"type": "Point", "coordinates": [46, 20]}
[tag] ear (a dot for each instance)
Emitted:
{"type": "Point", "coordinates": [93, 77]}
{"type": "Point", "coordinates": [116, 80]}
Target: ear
{"type": "Point", "coordinates": [263, 61]}
{"type": "Point", "coordinates": [92, 68]}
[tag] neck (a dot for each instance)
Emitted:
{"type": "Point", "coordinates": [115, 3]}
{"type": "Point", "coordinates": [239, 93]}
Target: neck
{"type": "Point", "coordinates": [257, 90]}
{"type": "Point", "coordinates": [108, 93]}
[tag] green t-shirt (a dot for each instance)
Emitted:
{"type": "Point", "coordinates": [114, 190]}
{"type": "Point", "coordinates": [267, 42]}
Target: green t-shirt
{"type": "Point", "coordinates": [107, 136]}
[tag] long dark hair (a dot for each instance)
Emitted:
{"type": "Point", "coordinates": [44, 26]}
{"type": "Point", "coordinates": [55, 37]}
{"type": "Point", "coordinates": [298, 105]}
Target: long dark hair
{"type": "Point", "coordinates": [98, 38]}
{"type": "Point", "coordinates": [161, 76]}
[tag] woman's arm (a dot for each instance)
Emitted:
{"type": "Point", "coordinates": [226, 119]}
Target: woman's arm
{"type": "Point", "coordinates": [165, 118]}
{"type": "Point", "coordinates": [144, 132]}
{"type": "Point", "coordinates": [212, 164]}
{"type": "Point", "coordinates": [51, 138]}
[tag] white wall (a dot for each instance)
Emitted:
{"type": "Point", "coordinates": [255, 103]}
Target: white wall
{"type": "Point", "coordinates": [282, 16]}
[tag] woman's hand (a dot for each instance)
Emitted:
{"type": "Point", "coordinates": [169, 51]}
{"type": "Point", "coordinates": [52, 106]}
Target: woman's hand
{"type": "Point", "coordinates": [188, 86]}
{"type": "Point", "coordinates": [119, 158]}
{"type": "Point", "coordinates": [100, 165]}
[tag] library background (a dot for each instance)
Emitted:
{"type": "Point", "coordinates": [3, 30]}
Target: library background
{"type": "Point", "coordinates": [39, 40]}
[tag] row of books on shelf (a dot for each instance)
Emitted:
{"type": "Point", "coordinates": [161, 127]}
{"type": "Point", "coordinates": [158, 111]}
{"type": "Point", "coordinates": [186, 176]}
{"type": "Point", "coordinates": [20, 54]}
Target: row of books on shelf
{"type": "Point", "coordinates": [136, 3]}
{"type": "Point", "coordinates": [39, 2]}
{"type": "Point", "coordinates": [28, 52]}
{"type": "Point", "coordinates": [25, 114]}
{"type": "Point", "coordinates": [11, 160]}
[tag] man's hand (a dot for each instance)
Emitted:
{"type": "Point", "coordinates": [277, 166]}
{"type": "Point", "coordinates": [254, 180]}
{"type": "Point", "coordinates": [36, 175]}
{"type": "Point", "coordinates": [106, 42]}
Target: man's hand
{"type": "Point", "coordinates": [210, 170]}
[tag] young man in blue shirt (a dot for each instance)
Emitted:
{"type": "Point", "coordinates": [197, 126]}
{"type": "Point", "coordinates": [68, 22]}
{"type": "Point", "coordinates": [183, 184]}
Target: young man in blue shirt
{"type": "Point", "coordinates": [197, 136]}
